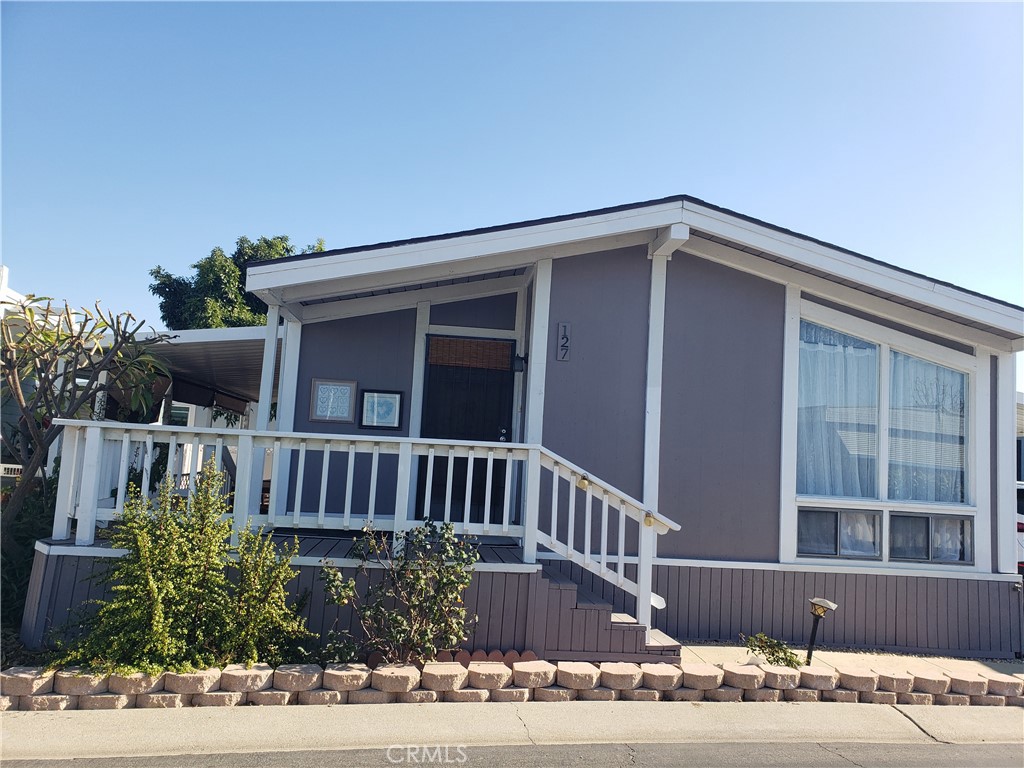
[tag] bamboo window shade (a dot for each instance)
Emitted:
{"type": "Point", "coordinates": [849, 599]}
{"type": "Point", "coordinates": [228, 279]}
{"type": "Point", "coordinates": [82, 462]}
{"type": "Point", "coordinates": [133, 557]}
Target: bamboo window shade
{"type": "Point", "coordinates": [470, 353]}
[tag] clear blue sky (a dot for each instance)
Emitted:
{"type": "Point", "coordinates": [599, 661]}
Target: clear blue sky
{"type": "Point", "coordinates": [144, 134]}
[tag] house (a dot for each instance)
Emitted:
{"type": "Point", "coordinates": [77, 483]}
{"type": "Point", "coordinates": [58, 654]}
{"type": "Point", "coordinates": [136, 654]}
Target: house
{"type": "Point", "coordinates": [662, 418]}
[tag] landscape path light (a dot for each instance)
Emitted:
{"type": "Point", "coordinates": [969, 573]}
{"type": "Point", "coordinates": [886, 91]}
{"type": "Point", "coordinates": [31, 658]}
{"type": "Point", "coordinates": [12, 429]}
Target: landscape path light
{"type": "Point", "coordinates": [819, 607]}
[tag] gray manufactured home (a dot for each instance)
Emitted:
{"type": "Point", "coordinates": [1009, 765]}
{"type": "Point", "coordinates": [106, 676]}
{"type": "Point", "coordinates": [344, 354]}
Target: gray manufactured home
{"type": "Point", "coordinates": [666, 421]}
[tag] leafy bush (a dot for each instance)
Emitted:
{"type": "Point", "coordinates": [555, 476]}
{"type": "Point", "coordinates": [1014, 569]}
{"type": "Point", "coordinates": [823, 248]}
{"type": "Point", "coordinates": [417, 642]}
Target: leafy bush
{"type": "Point", "coordinates": [416, 609]}
{"type": "Point", "coordinates": [774, 651]}
{"type": "Point", "coordinates": [174, 605]}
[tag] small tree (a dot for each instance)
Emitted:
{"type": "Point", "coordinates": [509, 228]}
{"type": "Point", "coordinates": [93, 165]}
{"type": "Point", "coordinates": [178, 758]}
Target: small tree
{"type": "Point", "coordinates": [54, 361]}
{"type": "Point", "coordinates": [416, 609]}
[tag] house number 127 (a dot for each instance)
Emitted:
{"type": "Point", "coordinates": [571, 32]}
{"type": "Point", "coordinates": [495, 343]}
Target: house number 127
{"type": "Point", "coordinates": [564, 342]}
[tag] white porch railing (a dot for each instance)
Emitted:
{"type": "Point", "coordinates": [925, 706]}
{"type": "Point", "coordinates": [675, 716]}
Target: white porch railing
{"type": "Point", "coordinates": [339, 482]}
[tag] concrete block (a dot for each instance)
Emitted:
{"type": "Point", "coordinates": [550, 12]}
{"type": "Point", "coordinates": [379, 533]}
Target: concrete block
{"type": "Point", "coordinates": [662, 677]}
{"type": "Point", "coordinates": [640, 694]}
{"type": "Point", "coordinates": [554, 693]}
{"type": "Point", "coordinates": [9, 703]}
{"type": "Point", "coordinates": [762, 694]}
{"type": "Point", "coordinates": [840, 695]}
{"type": "Point", "coordinates": [419, 696]}
{"type": "Point", "coordinates": [1015, 701]}
{"type": "Point", "coordinates": [952, 700]}
{"type": "Point", "coordinates": [47, 702]}
{"type": "Point", "coordinates": [780, 677]}
{"type": "Point", "coordinates": [445, 676]}
{"type": "Point", "coordinates": [818, 678]}
{"type": "Point", "coordinates": [578, 675]}
{"type": "Point", "coordinates": [702, 677]}
{"type": "Point", "coordinates": [1003, 685]}
{"type": "Point", "coordinates": [533, 674]}
{"type": "Point", "coordinates": [931, 682]}
{"type": "Point", "coordinates": [684, 694]}
{"type": "Point", "coordinates": [371, 696]}
{"type": "Point", "coordinates": [219, 699]}
{"type": "Point", "coordinates": [598, 694]}
{"type": "Point", "coordinates": [914, 698]}
{"type": "Point", "coordinates": [106, 701]}
{"type": "Point", "coordinates": [395, 678]}
{"type": "Point", "coordinates": [895, 682]}
{"type": "Point", "coordinates": [134, 684]}
{"type": "Point", "coordinates": [857, 678]}
{"type": "Point", "coordinates": [298, 677]}
{"type": "Point", "coordinates": [878, 697]}
{"type": "Point", "coordinates": [987, 700]}
{"type": "Point", "coordinates": [511, 694]}
{"type": "Point", "coordinates": [204, 681]}
{"type": "Point", "coordinates": [26, 681]}
{"type": "Point", "coordinates": [238, 677]}
{"type": "Point", "coordinates": [802, 694]}
{"type": "Point", "coordinates": [271, 698]}
{"type": "Point", "coordinates": [725, 693]}
{"type": "Point", "coordinates": [75, 681]}
{"type": "Point", "coordinates": [468, 694]}
{"type": "Point", "coordinates": [346, 677]}
{"type": "Point", "coordinates": [488, 675]}
{"type": "Point", "coordinates": [323, 697]}
{"type": "Point", "coordinates": [163, 700]}
{"type": "Point", "coordinates": [746, 676]}
{"type": "Point", "coordinates": [969, 685]}
{"type": "Point", "coordinates": [620, 675]}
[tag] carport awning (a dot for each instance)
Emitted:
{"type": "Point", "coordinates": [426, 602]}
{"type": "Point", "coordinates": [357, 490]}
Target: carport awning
{"type": "Point", "coordinates": [219, 366]}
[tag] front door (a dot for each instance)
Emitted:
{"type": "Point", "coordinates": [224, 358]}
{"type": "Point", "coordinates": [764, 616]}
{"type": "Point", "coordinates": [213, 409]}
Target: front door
{"type": "Point", "coordinates": [469, 385]}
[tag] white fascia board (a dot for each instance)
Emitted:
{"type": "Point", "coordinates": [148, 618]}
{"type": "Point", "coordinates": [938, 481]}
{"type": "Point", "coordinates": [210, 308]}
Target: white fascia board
{"type": "Point", "coordinates": [277, 275]}
{"type": "Point", "coordinates": [207, 335]}
{"type": "Point", "coordinates": [843, 265]}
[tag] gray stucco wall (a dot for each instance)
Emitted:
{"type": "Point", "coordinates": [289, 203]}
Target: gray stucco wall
{"type": "Point", "coordinates": [594, 402]}
{"type": "Point", "coordinates": [721, 412]}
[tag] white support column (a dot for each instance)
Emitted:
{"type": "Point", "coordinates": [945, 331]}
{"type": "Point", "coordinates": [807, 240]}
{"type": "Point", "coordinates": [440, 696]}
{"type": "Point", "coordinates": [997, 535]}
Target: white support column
{"type": "Point", "coordinates": [536, 370]}
{"type": "Point", "coordinates": [980, 415]}
{"type": "Point", "coordinates": [244, 503]}
{"type": "Point", "coordinates": [1005, 461]}
{"type": "Point", "coordinates": [287, 384]}
{"type": "Point", "coordinates": [267, 374]}
{"type": "Point", "coordinates": [85, 531]}
{"type": "Point", "coordinates": [648, 543]}
{"type": "Point", "coordinates": [655, 364]}
{"type": "Point", "coordinates": [67, 482]}
{"type": "Point", "coordinates": [790, 404]}
{"type": "Point", "coordinates": [419, 367]}
{"type": "Point", "coordinates": [532, 511]}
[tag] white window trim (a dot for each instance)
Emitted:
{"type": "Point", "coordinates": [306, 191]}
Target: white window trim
{"type": "Point", "coordinates": [978, 506]}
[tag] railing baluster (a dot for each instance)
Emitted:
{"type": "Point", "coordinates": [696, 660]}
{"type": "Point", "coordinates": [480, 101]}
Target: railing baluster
{"type": "Point", "coordinates": [506, 512]}
{"type": "Point", "coordinates": [555, 477]}
{"type": "Point", "coordinates": [147, 465]}
{"type": "Point", "coordinates": [275, 478]}
{"type": "Point", "coordinates": [373, 483]}
{"type": "Point", "coordinates": [487, 491]}
{"type": "Point", "coordinates": [570, 533]}
{"type": "Point", "coordinates": [428, 490]}
{"type": "Point", "coordinates": [349, 480]}
{"type": "Point", "coordinates": [172, 461]}
{"type": "Point", "coordinates": [604, 532]}
{"type": "Point", "coordinates": [448, 486]}
{"type": "Point", "coordinates": [622, 543]}
{"type": "Point", "coordinates": [194, 464]}
{"type": "Point", "coordinates": [588, 508]}
{"type": "Point", "coordinates": [68, 481]}
{"type": "Point", "coordinates": [301, 473]}
{"type": "Point", "coordinates": [243, 487]}
{"type": "Point", "coordinates": [218, 452]}
{"type": "Point", "coordinates": [469, 490]}
{"type": "Point", "coordinates": [122, 472]}
{"type": "Point", "coordinates": [325, 468]}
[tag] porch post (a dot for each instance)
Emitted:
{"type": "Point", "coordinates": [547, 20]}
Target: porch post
{"type": "Point", "coordinates": [537, 369]}
{"type": "Point", "coordinates": [85, 532]}
{"type": "Point", "coordinates": [70, 441]}
{"type": "Point", "coordinates": [287, 383]}
{"type": "Point", "coordinates": [263, 405]}
{"type": "Point", "coordinates": [243, 491]}
{"type": "Point", "coordinates": [532, 515]}
{"type": "Point", "coordinates": [645, 576]}
{"type": "Point", "coordinates": [419, 373]}
{"type": "Point", "coordinates": [1006, 454]}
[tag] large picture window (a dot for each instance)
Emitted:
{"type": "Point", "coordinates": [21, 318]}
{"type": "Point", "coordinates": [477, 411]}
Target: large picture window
{"type": "Point", "coordinates": [855, 490]}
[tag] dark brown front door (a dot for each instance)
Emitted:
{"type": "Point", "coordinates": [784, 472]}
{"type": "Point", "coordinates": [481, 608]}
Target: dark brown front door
{"type": "Point", "coordinates": [469, 385]}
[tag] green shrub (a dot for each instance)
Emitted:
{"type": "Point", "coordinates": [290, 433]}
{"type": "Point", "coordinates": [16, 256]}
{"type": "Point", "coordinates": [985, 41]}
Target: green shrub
{"type": "Point", "coordinates": [174, 605]}
{"type": "Point", "coordinates": [774, 651]}
{"type": "Point", "coordinates": [416, 609]}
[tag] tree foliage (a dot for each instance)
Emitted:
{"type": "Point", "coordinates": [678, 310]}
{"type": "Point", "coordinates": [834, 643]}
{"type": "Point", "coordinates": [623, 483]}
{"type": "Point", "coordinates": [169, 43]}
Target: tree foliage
{"type": "Point", "coordinates": [183, 597]}
{"type": "Point", "coordinates": [214, 296]}
{"type": "Point", "coordinates": [54, 361]}
{"type": "Point", "coordinates": [415, 610]}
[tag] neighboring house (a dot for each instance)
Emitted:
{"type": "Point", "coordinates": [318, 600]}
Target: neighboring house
{"type": "Point", "coordinates": [10, 468]}
{"type": "Point", "coordinates": [684, 414]}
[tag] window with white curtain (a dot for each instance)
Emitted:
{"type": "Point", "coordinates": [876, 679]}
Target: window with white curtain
{"type": "Point", "coordinates": [850, 391]}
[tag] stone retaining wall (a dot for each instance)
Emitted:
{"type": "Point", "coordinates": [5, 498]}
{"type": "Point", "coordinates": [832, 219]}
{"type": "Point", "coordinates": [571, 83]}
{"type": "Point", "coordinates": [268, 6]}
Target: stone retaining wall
{"type": "Point", "coordinates": [37, 689]}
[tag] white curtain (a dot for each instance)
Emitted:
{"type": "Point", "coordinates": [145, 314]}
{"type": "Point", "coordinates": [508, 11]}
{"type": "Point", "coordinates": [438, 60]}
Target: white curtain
{"type": "Point", "coordinates": [926, 431]}
{"type": "Point", "coordinates": [837, 420]}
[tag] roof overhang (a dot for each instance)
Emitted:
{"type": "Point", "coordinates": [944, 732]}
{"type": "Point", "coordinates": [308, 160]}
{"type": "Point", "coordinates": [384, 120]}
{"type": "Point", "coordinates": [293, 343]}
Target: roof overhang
{"type": "Point", "coordinates": [683, 223]}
